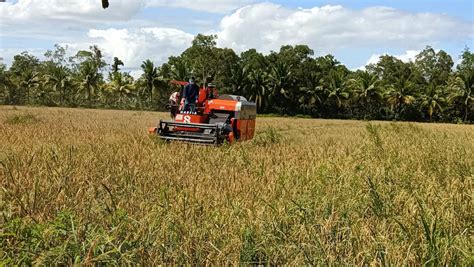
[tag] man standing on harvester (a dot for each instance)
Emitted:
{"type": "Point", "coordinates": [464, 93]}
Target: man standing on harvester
{"type": "Point", "coordinates": [190, 95]}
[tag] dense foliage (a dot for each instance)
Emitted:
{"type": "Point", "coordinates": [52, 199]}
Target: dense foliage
{"type": "Point", "coordinates": [292, 81]}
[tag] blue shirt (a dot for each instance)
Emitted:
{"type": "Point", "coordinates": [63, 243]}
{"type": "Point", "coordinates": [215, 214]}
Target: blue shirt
{"type": "Point", "coordinates": [191, 92]}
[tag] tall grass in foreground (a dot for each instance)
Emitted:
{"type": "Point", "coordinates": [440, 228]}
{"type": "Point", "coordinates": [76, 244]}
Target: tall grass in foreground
{"type": "Point", "coordinates": [89, 186]}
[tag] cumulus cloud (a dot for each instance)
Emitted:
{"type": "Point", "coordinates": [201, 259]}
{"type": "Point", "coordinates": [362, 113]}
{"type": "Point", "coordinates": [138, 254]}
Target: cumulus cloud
{"type": "Point", "coordinates": [82, 10]}
{"type": "Point", "coordinates": [267, 26]}
{"type": "Point", "coordinates": [120, 31]}
{"type": "Point", "coordinates": [80, 23]}
{"type": "Point", "coordinates": [408, 56]}
{"type": "Point", "coordinates": [212, 6]}
{"type": "Point", "coordinates": [60, 21]}
{"type": "Point", "coordinates": [7, 54]}
{"type": "Point", "coordinates": [133, 46]}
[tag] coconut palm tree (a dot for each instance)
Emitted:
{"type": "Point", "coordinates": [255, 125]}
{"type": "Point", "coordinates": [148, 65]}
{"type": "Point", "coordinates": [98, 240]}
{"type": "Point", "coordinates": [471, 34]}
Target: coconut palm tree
{"type": "Point", "coordinates": [280, 78]}
{"type": "Point", "coordinates": [88, 79]}
{"type": "Point", "coordinates": [179, 70]}
{"type": "Point", "coordinates": [311, 94]}
{"type": "Point", "coordinates": [29, 81]}
{"type": "Point", "coordinates": [115, 65]}
{"type": "Point", "coordinates": [463, 92]}
{"type": "Point", "coordinates": [150, 76]}
{"type": "Point", "coordinates": [433, 100]}
{"type": "Point", "coordinates": [60, 81]}
{"type": "Point", "coordinates": [335, 88]}
{"type": "Point", "coordinates": [310, 98]}
{"type": "Point", "coordinates": [366, 89]}
{"type": "Point", "coordinates": [400, 94]}
{"type": "Point", "coordinates": [121, 86]}
{"type": "Point", "coordinates": [239, 79]}
{"type": "Point", "coordinates": [258, 90]}
{"type": "Point", "coordinates": [3, 82]}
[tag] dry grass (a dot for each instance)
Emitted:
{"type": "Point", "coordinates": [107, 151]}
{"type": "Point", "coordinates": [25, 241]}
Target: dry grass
{"type": "Point", "coordinates": [89, 186]}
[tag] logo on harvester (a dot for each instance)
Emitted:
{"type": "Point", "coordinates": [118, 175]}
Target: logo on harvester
{"type": "Point", "coordinates": [187, 119]}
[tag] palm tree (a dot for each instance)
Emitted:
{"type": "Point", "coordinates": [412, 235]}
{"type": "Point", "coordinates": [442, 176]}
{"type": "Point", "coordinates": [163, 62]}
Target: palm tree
{"type": "Point", "coordinates": [29, 81]}
{"type": "Point", "coordinates": [258, 89]}
{"type": "Point", "coordinates": [88, 79]}
{"type": "Point", "coordinates": [463, 93]}
{"type": "Point", "coordinates": [59, 80]}
{"type": "Point", "coordinates": [150, 76]}
{"type": "Point", "coordinates": [335, 88]}
{"type": "Point", "coordinates": [116, 64]}
{"type": "Point", "coordinates": [280, 77]}
{"type": "Point", "coordinates": [309, 98]}
{"type": "Point", "coordinates": [121, 85]}
{"type": "Point", "coordinates": [400, 94]}
{"type": "Point", "coordinates": [433, 100]}
{"type": "Point", "coordinates": [366, 89]}
{"type": "Point", "coordinates": [311, 93]}
{"type": "Point", "coordinates": [239, 81]}
{"type": "Point", "coordinates": [180, 71]}
{"type": "Point", "coordinates": [3, 82]}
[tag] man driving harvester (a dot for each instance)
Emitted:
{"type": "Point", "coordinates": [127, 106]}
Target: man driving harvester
{"type": "Point", "coordinates": [190, 95]}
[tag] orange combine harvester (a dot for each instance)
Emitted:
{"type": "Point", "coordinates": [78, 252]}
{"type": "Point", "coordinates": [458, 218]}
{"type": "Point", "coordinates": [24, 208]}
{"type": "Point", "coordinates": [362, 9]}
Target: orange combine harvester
{"type": "Point", "coordinates": [216, 119]}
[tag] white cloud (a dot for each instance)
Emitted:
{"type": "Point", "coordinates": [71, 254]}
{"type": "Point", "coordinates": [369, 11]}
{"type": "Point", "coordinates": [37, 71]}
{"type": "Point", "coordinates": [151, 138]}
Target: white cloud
{"type": "Point", "coordinates": [267, 26]}
{"type": "Point", "coordinates": [8, 53]}
{"type": "Point", "coordinates": [57, 21]}
{"type": "Point", "coordinates": [136, 73]}
{"type": "Point", "coordinates": [374, 59]}
{"type": "Point", "coordinates": [120, 30]}
{"type": "Point", "coordinates": [212, 6]}
{"type": "Point", "coordinates": [408, 56]}
{"type": "Point", "coordinates": [74, 10]}
{"type": "Point", "coordinates": [133, 46]}
{"type": "Point", "coordinates": [78, 23]}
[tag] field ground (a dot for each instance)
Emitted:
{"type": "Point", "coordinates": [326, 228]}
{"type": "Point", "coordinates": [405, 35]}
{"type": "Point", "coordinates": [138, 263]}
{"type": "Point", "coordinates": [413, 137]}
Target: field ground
{"type": "Point", "coordinates": [90, 186]}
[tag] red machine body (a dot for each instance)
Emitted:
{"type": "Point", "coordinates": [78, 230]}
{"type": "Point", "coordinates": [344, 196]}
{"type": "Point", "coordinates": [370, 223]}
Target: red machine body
{"type": "Point", "coordinates": [216, 119]}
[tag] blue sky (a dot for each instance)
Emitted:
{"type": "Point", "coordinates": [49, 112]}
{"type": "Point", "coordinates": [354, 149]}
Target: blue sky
{"type": "Point", "coordinates": [457, 8]}
{"type": "Point", "coordinates": [356, 32]}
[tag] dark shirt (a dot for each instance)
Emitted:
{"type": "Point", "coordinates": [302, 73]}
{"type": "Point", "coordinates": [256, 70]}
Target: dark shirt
{"type": "Point", "coordinates": [191, 92]}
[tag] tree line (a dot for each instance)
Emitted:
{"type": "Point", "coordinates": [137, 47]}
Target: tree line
{"type": "Point", "coordinates": [291, 81]}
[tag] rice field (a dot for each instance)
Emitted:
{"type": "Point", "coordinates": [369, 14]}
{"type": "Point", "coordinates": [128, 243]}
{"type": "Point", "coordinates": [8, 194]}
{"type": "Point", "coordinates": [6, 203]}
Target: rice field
{"type": "Point", "coordinates": [91, 187]}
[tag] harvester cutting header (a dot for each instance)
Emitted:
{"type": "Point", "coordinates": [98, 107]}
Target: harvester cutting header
{"type": "Point", "coordinates": [204, 117]}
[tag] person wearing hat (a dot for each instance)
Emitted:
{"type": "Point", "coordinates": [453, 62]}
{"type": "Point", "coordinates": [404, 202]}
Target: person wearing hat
{"type": "Point", "coordinates": [211, 91]}
{"type": "Point", "coordinates": [190, 95]}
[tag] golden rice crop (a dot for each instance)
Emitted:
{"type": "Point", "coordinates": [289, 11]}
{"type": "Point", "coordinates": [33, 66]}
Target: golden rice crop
{"type": "Point", "coordinates": [90, 186]}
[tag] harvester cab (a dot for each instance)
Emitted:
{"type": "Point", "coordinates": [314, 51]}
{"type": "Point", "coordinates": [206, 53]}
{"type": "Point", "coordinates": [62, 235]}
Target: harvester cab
{"type": "Point", "coordinates": [216, 119]}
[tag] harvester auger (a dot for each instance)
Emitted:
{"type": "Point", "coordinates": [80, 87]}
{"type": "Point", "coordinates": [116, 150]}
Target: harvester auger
{"type": "Point", "coordinates": [216, 119]}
